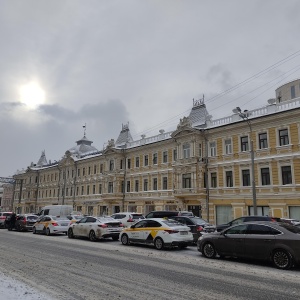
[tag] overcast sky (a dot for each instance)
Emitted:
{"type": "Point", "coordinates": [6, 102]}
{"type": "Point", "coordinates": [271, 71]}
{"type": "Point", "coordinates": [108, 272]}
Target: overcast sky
{"type": "Point", "coordinates": [106, 63]}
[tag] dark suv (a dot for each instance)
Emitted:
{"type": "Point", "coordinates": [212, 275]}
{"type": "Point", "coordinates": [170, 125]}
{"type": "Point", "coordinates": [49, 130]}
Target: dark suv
{"type": "Point", "coordinates": [167, 214]}
{"type": "Point", "coordinates": [246, 219]}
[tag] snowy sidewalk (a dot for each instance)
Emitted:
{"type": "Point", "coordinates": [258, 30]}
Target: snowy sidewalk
{"type": "Point", "coordinates": [12, 289]}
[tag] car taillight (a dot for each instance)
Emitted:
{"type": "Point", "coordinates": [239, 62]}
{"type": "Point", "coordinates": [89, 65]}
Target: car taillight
{"type": "Point", "coordinates": [121, 225]}
{"type": "Point", "coordinates": [171, 231]}
{"type": "Point", "coordinates": [2, 217]}
{"type": "Point", "coordinates": [24, 221]}
{"type": "Point", "coordinates": [199, 228]}
{"type": "Point", "coordinates": [130, 220]}
{"type": "Point", "coordinates": [55, 224]}
{"type": "Point", "coordinates": [273, 220]}
{"type": "Point", "coordinates": [103, 226]}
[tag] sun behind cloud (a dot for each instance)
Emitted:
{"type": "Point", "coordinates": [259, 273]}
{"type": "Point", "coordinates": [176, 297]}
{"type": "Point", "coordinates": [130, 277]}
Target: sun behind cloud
{"type": "Point", "coordinates": [32, 95]}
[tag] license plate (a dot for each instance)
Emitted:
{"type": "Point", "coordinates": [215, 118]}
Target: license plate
{"type": "Point", "coordinates": [183, 232]}
{"type": "Point", "coordinates": [64, 224]}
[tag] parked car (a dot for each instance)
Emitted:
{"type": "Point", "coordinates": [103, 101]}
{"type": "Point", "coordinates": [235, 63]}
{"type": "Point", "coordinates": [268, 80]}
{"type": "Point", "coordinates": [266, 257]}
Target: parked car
{"type": "Point", "coordinates": [167, 214]}
{"type": "Point", "coordinates": [51, 225]}
{"type": "Point", "coordinates": [25, 222]}
{"type": "Point", "coordinates": [158, 232]}
{"type": "Point", "coordinates": [278, 242]}
{"type": "Point", "coordinates": [246, 219]}
{"type": "Point", "coordinates": [96, 228]}
{"type": "Point", "coordinates": [196, 225]}
{"type": "Point", "coordinates": [290, 221]}
{"type": "Point", "coordinates": [3, 216]}
{"type": "Point", "coordinates": [127, 218]}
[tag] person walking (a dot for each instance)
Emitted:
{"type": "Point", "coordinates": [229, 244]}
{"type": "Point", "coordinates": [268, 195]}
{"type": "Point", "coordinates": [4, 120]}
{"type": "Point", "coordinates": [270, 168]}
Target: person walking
{"type": "Point", "coordinates": [12, 221]}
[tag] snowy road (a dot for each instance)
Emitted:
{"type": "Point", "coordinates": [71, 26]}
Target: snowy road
{"type": "Point", "coordinates": [79, 269]}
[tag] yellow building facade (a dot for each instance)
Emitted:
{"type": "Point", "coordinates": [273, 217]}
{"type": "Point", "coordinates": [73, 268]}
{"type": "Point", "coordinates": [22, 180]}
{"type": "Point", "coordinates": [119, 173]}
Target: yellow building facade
{"type": "Point", "coordinates": [203, 166]}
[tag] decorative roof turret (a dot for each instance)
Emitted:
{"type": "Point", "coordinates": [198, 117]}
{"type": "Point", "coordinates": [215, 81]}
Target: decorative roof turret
{"type": "Point", "coordinates": [124, 135]}
{"type": "Point", "coordinates": [199, 114]}
{"type": "Point", "coordinates": [42, 161]}
{"type": "Point", "coordinates": [83, 147]}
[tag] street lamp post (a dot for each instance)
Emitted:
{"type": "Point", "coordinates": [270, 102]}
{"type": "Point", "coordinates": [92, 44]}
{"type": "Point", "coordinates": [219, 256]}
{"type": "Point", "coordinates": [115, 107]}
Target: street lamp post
{"type": "Point", "coordinates": [244, 116]}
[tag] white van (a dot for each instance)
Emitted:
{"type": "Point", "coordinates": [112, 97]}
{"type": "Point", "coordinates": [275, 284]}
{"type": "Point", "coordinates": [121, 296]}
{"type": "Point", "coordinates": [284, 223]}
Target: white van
{"type": "Point", "coordinates": [56, 210]}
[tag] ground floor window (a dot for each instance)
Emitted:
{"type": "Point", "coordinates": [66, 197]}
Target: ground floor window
{"type": "Point", "coordinates": [90, 210]}
{"type": "Point", "coordinates": [131, 208]}
{"type": "Point", "coordinates": [195, 209]}
{"type": "Point", "coordinates": [170, 207]}
{"type": "Point", "coordinates": [223, 214]}
{"type": "Point", "coordinates": [116, 209]}
{"type": "Point", "coordinates": [149, 208]}
{"type": "Point", "coordinates": [261, 211]}
{"type": "Point", "coordinates": [294, 212]}
{"type": "Point", "coordinates": [103, 211]}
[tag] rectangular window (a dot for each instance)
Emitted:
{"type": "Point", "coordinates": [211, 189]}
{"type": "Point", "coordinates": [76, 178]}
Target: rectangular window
{"type": "Point", "coordinates": [174, 154]}
{"type": "Point", "coordinates": [121, 164]}
{"type": "Point", "coordinates": [283, 137]}
{"type": "Point", "coordinates": [155, 184]}
{"type": "Point", "coordinates": [89, 171]}
{"type": "Point", "coordinates": [136, 185]}
{"type": "Point", "coordinates": [111, 165]}
{"type": "Point", "coordinates": [293, 93]}
{"type": "Point", "coordinates": [213, 179]}
{"type": "Point", "coordinates": [165, 156]}
{"type": "Point", "coordinates": [95, 170]}
{"type": "Point", "coordinates": [145, 184]}
{"type": "Point", "coordinates": [82, 190]}
{"type": "Point", "coordinates": [200, 150]}
{"type": "Point", "coordinates": [229, 179]}
{"type": "Point", "coordinates": [137, 162]}
{"type": "Point", "coordinates": [212, 149]}
{"type": "Point", "coordinates": [146, 160]}
{"type": "Point", "coordinates": [186, 181]}
{"type": "Point", "coordinates": [100, 188]}
{"type": "Point", "coordinates": [246, 177]}
{"type": "Point", "coordinates": [101, 168]}
{"type": "Point", "coordinates": [228, 146]}
{"type": "Point", "coordinates": [286, 175]}
{"type": "Point", "coordinates": [94, 189]}
{"type": "Point", "coordinates": [78, 173]}
{"type": "Point", "coordinates": [165, 183]}
{"type": "Point", "coordinates": [128, 186]}
{"type": "Point", "coordinates": [263, 140]}
{"type": "Point", "coordinates": [155, 158]}
{"type": "Point", "coordinates": [77, 191]}
{"type": "Point", "coordinates": [244, 143]}
{"type": "Point", "coordinates": [88, 190]}
{"type": "Point", "coordinates": [122, 187]}
{"type": "Point", "coordinates": [265, 176]}
{"type": "Point", "coordinates": [186, 150]}
{"type": "Point", "coordinates": [110, 187]}
{"type": "Point", "coordinates": [128, 163]}
{"type": "Point", "coordinates": [83, 172]}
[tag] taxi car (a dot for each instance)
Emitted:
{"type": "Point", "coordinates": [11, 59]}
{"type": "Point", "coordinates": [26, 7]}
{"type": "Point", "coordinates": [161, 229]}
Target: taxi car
{"type": "Point", "coordinates": [74, 218]}
{"type": "Point", "coordinates": [51, 225]}
{"type": "Point", "coordinates": [160, 232]}
{"type": "Point", "coordinates": [96, 228]}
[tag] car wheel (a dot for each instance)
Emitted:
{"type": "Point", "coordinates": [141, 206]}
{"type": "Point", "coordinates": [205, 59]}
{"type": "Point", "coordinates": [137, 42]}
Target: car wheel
{"type": "Point", "coordinates": [33, 230]}
{"type": "Point", "coordinates": [282, 259]}
{"type": "Point", "coordinates": [48, 231]}
{"type": "Point", "coordinates": [124, 239]}
{"type": "Point", "coordinates": [208, 250]}
{"type": "Point", "coordinates": [92, 236]}
{"type": "Point", "coordinates": [159, 243]}
{"type": "Point", "coordinates": [115, 238]}
{"type": "Point", "coordinates": [70, 233]}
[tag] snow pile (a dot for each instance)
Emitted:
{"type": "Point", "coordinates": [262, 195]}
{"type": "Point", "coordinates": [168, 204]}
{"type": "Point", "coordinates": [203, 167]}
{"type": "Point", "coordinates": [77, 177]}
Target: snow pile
{"type": "Point", "coordinates": [12, 289]}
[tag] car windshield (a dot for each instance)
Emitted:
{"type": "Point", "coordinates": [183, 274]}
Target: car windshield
{"type": "Point", "coordinates": [171, 223]}
{"type": "Point", "coordinates": [135, 217]}
{"type": "Point", "coordinates": [290, 228]}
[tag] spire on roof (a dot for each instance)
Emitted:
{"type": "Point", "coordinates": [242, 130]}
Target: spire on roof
{"type": "Point", "coordinates": [124, 136]}
{"type": "Point", "coordinates": [42, 161]}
